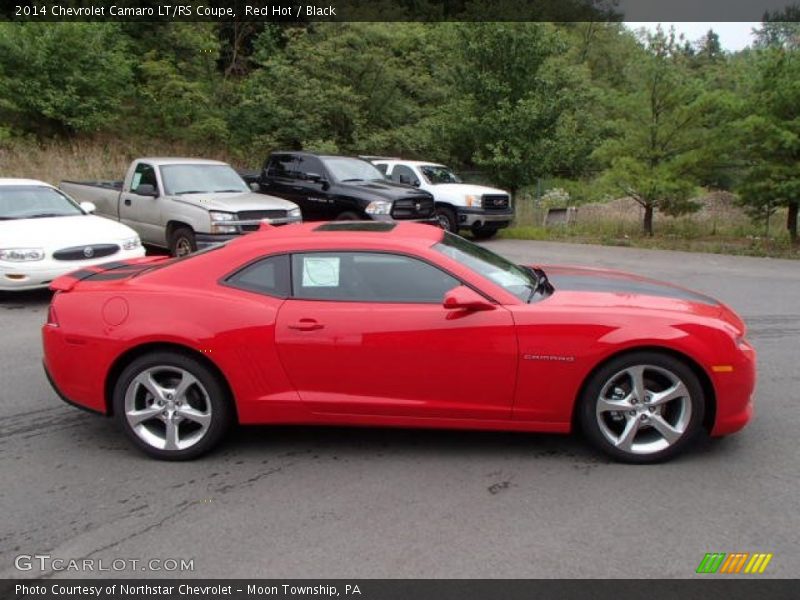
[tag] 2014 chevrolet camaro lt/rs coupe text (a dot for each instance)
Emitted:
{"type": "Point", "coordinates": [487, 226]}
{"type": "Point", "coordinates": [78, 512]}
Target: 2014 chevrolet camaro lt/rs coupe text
{"type": "Point", "coordinates": [393, 324]}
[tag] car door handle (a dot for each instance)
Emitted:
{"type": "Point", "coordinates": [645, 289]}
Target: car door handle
{"type": "Point", "coordinates": [127, 201]}
{"type": "Point", "coordinates": [306, 325]}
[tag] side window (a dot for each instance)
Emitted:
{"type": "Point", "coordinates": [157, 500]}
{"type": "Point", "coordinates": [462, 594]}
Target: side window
{"type": "Point", "coordinates": [368, 277]}
{"type": "Point", "coordinates": [267, 276]}
{"type": "Point", "coordinates": [404, 174]}
{"type": "Point", "coordinates": [308, 166]}
{"type": "Point", "coordinates": [144, 174]}
{"type": "Point", "coordinates": [282, 166]}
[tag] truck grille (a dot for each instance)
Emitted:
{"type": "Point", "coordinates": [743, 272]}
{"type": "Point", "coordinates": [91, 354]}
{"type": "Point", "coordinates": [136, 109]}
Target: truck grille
{"type": "Point", "coordinates": [412, 208]}
{"type": "Point", "coordinates": [256, 215]}
{"type": "Point", "coordinates": [87, 252]}
{"type": "Point", "coordinates": [494, 202]}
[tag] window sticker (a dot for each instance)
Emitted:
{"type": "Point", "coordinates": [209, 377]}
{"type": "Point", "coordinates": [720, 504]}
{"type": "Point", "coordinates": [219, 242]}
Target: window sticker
{"type": "Point", "coordinates": [320, 271]}
{"type": "Point", "coordinates": [137, 177]}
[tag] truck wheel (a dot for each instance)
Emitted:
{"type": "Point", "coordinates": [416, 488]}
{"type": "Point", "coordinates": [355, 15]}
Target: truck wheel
{"type": "Point", "coordinates": [182, 242]}
{"type": "Point", "coordinates": [483, 233]}
{"type": "Point", "coordinates": [446, 219]}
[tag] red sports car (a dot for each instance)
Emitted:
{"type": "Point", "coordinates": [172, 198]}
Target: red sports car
{"type": "Point", "coordinates": [393, 324]}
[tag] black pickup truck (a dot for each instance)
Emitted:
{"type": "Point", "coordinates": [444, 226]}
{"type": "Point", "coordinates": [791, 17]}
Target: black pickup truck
{"type": "Point", "coordinates": [330, 188]}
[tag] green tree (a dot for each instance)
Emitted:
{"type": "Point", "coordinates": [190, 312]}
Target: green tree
{"type": "Point", "coordinates": [664, 120]}
{"type": "Point", "coordinates": [769, 137]}
{"type": "Point", "coordinates": [62, 77]}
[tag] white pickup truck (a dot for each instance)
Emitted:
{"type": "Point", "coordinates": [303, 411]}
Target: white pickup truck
{"type": "Point", "coordinates": [483, 210]}
{"type": "Point", "coordinates": [183, 204]}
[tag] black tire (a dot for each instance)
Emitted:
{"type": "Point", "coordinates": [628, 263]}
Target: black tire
{"type": "Point", "coordinates": [644, 419]}
{"type": "Point", "coordinates": [206, 396]}
{"type": "Point", "coordinates": [446, 218]}
{"type": "Point", "coordinates": [182, 241]}
{"type": "Point", "coordinates": [348, 216]}
{"type": "Point", "coordinates": [484, 233]}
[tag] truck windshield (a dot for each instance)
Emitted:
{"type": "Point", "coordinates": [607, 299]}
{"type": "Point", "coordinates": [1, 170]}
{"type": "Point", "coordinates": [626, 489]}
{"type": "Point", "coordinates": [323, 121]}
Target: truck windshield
{"type": "Point", "coordinates": [35, 202]}
{"type": "Point", "coordinates": [201, 179]}
{"type": "Point", "coordinates": [436, 174]}
{"type": "Point", "coordinates": [344, 168]}
{"type": "Point", "coordinates": [494, 267]}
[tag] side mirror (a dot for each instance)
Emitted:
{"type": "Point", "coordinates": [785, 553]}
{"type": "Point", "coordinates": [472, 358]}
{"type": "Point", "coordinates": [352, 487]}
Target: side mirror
{"type": "Point", "coordinates": [315, 177]}
{"type": "Point", "coordinates": [464, 298]}
{"type": "Point", "coordinates": [88, 207]}
{"type": "Point", "coordinates": [415, 183]}
{"type": "Point", "coordinates": [146, 189]}
{"type": "Point", "coordinates": [255, 187]}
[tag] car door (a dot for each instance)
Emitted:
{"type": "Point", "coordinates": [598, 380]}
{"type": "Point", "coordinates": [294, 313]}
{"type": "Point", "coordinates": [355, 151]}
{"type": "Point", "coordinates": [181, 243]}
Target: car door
{"type": "Point", "coordinates": [365, 333]}
{"type": "Point", "coordinates": [141, 212]}
{"type": "Point", "coordinates": [281, 178]}
{"type": "Point", "coordinates": [314, 187]}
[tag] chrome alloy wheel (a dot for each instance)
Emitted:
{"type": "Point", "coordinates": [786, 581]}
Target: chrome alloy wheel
{"type": "Point", "coordinates": [643, 409]}
{"type": "Point", "coordinates": [168, 408]}
{"type": "Point", "coordinates": [183, 247]}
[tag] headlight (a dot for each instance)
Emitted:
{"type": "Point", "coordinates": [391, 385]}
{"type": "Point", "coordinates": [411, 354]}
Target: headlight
{"type": "Point", "coordinates": [472, 201]}
{"type": "Point", "coordinates": [294, 213]}
{"type": "Point", "coordinates": [218, 222]}
{"type": "Point", "coordinates": [221, 216]}
{"type": "Point", "coordinates": [131, 243]}
{"type": "Point", "coordinates": [21, 254]}
{"type": "Point", "coordinates": [379, 207]}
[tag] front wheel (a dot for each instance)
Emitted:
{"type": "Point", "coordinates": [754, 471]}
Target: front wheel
{"type": "Point", "coordinates": [642, 408]}
{"type": "Point", "coordinates": [171, 406]}
{"type": "Point", "coordinates": [182, 242]}
{"type": "Point", "coordinates": [446, 219]}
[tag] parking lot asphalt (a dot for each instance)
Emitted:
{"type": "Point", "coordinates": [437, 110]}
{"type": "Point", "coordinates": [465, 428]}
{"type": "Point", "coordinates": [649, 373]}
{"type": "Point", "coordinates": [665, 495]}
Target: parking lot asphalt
{"type": "Point", "coordinates": [340, 502]}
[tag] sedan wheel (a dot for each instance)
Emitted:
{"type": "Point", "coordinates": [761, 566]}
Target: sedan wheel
{"type": "Point", "coordinates": [171, 406]}
{"type": "Point", "coordinates": [642, 408]}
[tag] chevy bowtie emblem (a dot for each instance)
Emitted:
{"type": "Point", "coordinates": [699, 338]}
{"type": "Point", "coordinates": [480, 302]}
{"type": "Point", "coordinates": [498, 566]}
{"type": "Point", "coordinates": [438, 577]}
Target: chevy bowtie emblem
{"type": "Point", "coordinates": [418, 205]}
{"type": "Point", "coordinates": [88, 252]}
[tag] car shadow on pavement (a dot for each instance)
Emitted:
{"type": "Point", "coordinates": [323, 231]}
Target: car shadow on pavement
{"type": "Point", "coordinates": [25, 299]}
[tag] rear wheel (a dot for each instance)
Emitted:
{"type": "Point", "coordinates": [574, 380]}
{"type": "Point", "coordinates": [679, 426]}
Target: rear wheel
{"type": "Point", "coordinates": [642, 408]}
{"type": "Point", "coordinates": [484, 233]}
{"type": "Point", "coordinates": [446, 219]}
{"type": "Point", "coordinates": [182, 241]}
{"type": "Point", "coordinates": [171, 406]}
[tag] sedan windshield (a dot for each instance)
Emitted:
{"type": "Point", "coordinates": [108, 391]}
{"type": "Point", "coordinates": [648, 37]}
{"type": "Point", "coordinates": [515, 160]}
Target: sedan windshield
{"type": "Point", "coordinates": [344, 168]}
{"type": "Point", "coordinates": [517, 280]}
{"type": "Point", "coordinates": [436, 174]}
{"type": "Point", "coordinates": [201, 179]}
{"type": "Point", "coordinates": [35, 202]}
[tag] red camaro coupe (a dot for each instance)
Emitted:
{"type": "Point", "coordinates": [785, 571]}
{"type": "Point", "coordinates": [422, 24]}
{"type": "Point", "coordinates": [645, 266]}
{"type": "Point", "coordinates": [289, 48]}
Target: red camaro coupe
{"type": "Point", "coordinates": [393, 324]}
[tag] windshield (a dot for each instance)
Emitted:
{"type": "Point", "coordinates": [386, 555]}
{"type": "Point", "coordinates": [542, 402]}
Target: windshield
{"type": "Point", "coordinates": [504, 273]}
{"type": "Point", "coordinates": [436, 174]}
{"type": "Point", "coordinates": [343, 168]}
{"type": "Point", "coordinates": [35, 201]}
{"type": "Point", "coordinates": [201, 179]}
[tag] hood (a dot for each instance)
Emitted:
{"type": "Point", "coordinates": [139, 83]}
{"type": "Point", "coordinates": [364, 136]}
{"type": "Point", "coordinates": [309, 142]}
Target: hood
{"type": "Point", "coordinates": [580, 286]}
{"type": "Point", "coordinates": [53, 233]}
{"type": "Point", "coordinates": [235, 202]}
{"type": "Point", "coordinates": [464, 189]}
{"type": "Point", "coordinates": [387, 190]}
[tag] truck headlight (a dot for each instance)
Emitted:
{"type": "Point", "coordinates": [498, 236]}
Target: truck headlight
{"type": "Point", "coordinates": [218, 220]}
{"type": "Point", "coordinates": [131, 243]}
{"type": "Point", "coordinates": [21, 254]}
{"type": "Point", "coordinates": [294, 213]}
{"type": "Point", "coordinates": [472, 201]}
{"type": "Point", "coordinates": [379, 207]}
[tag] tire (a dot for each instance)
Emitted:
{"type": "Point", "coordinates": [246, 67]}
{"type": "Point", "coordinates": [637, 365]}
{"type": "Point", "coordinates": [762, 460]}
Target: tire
{"type": "Point", "coordinates": [646, 429]}
{"type": "Point", "coordinates": [484, 233]}
{"type": "Point", "coordinates": [348, 216]}
{"type": "Point", "coordinates": [446, 218]}
{"type": "Point", "coordinates": [182, 241]}
{"type": "Point", "coordinates": [171, 406]}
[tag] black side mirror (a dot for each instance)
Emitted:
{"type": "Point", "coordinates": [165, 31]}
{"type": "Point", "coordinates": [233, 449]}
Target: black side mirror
{"type": "Point", "coordinates": [317, 178]}
{"type": "Point", "coordinates": [415, 183]}
{"type": "Point", "coordinates": [146, 189]}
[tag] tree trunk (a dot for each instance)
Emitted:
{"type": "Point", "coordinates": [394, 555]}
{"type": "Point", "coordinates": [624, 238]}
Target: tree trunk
{"type": "Point", "coordinates": [791, 222]}
{"type": "Point", "coordinates": [648, 220]}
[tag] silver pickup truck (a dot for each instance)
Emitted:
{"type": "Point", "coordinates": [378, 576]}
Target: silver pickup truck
{"type": "Point", "coordinates": [183, 204]}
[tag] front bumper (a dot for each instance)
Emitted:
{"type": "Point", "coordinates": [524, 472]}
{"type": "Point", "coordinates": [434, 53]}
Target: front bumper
{"type": "Point", "coordinates": [478, 217]}
{"type": "Point", "coordinates": [735, 392]}
{"type": "Point", "coordinates": [39, 274]}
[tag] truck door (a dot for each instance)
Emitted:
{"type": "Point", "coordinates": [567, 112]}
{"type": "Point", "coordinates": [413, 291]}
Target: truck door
{"type": "Point", "coordinates": [141, 210]}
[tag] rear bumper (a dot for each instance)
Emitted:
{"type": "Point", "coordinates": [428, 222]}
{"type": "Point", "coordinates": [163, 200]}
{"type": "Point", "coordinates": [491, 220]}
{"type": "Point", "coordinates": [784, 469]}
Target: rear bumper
{"type": "Point", "coordinates": [63, 396]}
{"type": "Point", "coordinates": [476, 217]}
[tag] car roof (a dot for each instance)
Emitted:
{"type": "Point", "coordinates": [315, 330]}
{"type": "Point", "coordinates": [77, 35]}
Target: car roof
{"type": "Point", "coordinates": [176, 160]}
{"type": "Point", "coordinates": [405, 233]}
{"type": "Point", "coordinates": [416, 163]}
{"type": "Point", "coordinates": [8, 181]}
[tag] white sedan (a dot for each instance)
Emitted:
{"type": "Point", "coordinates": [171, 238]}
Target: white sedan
{"type": "Point", "coordinates": [44, 234]}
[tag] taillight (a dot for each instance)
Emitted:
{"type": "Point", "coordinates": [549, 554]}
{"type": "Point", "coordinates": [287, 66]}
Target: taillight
{"type": "Point", "coordinates": [52, 319]}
